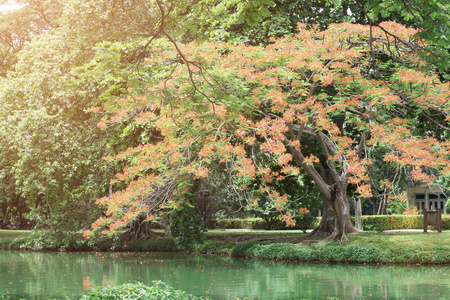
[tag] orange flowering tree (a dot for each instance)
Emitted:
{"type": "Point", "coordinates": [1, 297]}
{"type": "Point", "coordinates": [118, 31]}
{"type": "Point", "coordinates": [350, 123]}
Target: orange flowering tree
{"type": "Point", "coordinates": [316, 102]}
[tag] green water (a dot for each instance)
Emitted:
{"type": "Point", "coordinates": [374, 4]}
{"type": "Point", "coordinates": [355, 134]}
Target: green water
{"type": "Point", "coordinates": [37, 275]}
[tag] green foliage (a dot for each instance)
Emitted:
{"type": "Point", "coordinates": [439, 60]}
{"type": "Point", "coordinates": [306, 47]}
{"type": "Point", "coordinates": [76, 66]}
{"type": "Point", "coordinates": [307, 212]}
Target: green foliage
{"type": "Point", "coordinates": [60, 240]}
{"type": "Point", "coordinates": [51, 153]}
{"type": "Point", "coordinates": [390, 222]}
{"type": "Point", "coordinates": [206, 246]}
{"type": "Point", "coordinates": [445, 222]}
{"type": "Point", "coordinates": [386, 252]}
{"type": "Point", "coordinates": [273, 251]}
{"type": "Point", "coordinates": [12, 243]}
{"type": "Point", "coordinates": [20, 26]}
{"type": "Point", "coordinates": [7, 297]}
{"type": "Point", "coordinates": [254, 22]}
{"type": "Point", "coordinates": [305, 222]}
{"type": "Point", "coordinates": [447, 207]}
{"type": "Point", "coordinates": [243, 250]}
{"type": "Point", "coordinates": [49, 239]}
{"type": "Point", "coordinates": [139, 291]}
{"type": "Point", "coordinates": [57, 164]}
{"type": "Point", "coordinates": [185, 226]}
{"type": "Point", "coordinates": [433, 18]}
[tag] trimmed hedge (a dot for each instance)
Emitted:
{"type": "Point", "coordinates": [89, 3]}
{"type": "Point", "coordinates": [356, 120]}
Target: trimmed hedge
{"type": "Point", "coordinates": [369, 223]}
{"type": "Point", "coordinates": [392, 222]}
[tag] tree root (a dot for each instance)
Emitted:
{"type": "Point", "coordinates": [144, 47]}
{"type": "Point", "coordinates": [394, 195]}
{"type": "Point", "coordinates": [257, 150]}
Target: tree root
{"type": "Point", "coordinates": [141, 233]}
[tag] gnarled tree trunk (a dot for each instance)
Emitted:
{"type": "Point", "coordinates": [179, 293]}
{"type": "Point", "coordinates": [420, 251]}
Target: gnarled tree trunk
{"type": "Point", "coordinates": [331, 180]}
{"type": "Point", "coordinates": [341, 207]}
{"type": "Point", "coordinates": [326, 225]}
{"type": "Point", "coordinates": [336, 222]}
{"type": "Point", "coordinates": [139, 230]}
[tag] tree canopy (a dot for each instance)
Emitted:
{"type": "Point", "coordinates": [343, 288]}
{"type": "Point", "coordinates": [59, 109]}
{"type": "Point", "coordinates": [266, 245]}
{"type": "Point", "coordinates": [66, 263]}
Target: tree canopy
{"type": "Point", "coordinates": [311, 100]}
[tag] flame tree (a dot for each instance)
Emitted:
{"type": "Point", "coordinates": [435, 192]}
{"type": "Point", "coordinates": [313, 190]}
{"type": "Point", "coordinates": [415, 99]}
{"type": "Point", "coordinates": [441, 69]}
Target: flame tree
{"type": "Point", "coordinates": [316, 101]}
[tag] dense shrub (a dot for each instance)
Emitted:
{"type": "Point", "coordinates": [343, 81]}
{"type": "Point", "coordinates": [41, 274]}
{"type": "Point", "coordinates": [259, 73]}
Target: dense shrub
{"type": "Point", "coordinates": [49, 239]}
{"type": "Point", "coordinates": [206, 246]}
{"type": "Point", "coordinates": [447, 207]}
{"type": "Point", "coordinates": [446, 221]}
{"type": "Point", "coordinates": [185, 226]}
{"type": "Point", "coordinates": [139, 291]}
{"type": "Point", "coordinates": [65, 241]}
{"type": "Point", "coordinates": [281, 251]}
{"type": "Point", "coordinates": [12, 244]}
{"type": "Point", "coordinates": [390, 222]}
{"type": "Point", "coordinates": [241, 250]}
{"type": "Point", "coordinates": [306, 222]}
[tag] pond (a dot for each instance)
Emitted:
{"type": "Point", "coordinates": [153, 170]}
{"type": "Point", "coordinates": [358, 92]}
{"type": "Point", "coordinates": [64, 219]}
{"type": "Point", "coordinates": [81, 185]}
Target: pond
{"type": "Point", "coordinates": [40, 275]}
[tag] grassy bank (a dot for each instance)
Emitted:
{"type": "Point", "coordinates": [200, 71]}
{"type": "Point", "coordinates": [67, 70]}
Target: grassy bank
{"type": "Point", "coordinates": [383, 248]}
{"type": "Point", "coordinates": [367, 247]}
{"type": "Point", "coordinates": [13, 234]}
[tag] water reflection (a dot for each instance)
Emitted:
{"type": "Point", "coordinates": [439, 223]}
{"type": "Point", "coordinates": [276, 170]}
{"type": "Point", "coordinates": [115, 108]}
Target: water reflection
{"type": "Point", "coordinates": [36, 275]}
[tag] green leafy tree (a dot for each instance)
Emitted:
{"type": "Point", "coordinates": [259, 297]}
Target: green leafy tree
{"type": "Point", "coordinates": [255, 22]}
{"type": "Point", "coordinates": [21, 25]}
{"type": "Point", "coordinates": [431, 17]}
{"type": "Point", "coordinates": [56, 147]}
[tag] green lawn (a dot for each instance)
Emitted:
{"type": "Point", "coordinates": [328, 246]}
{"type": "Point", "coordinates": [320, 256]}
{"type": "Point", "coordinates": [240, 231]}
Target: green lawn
{"type": "Point", "coordinates": [14, 234]}
{"type": "Point", "coordinates": [401, 238]}
{"type": "Point", "coordinates": [383, 239]}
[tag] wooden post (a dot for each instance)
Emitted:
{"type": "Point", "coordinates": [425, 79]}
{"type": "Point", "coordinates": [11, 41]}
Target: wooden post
{"type": "Point", "coordinates": [425, 220]}
{"type": "Point", "coordinates": [432, 218]}
{"type": "Point", "coordinates": [439, 220]}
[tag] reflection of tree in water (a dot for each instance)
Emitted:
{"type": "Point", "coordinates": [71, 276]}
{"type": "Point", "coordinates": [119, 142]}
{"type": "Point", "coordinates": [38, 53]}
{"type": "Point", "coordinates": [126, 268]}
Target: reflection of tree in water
{"type": "Point", "coordinates": [44, 274]}
{"type": "Point", "coordinates": [350, 281]}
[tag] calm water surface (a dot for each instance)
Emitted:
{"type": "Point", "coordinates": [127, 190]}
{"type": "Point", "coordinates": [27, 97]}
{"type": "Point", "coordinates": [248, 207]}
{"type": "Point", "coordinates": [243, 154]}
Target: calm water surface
{"type": "Point", "coordinates": [36, 275]}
